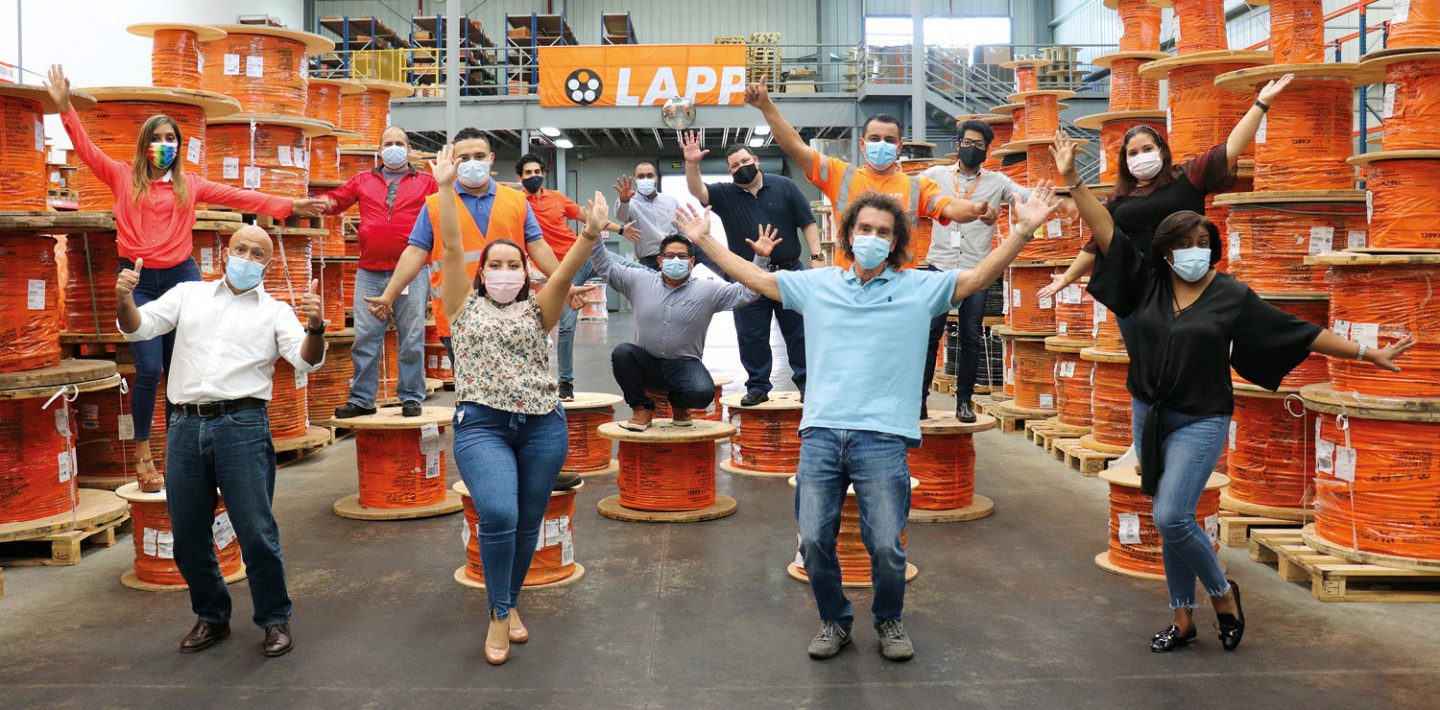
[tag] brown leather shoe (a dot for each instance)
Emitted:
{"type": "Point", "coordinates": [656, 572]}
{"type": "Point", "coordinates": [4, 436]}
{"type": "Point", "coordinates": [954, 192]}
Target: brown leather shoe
{"type": "Point", "coordinates": [277, 640]}
{"type": "Point", "coordinates": [203, 636]}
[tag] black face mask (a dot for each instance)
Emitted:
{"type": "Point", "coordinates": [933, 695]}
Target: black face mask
{"type": "Point", "coordinates": [972, 157]}
{"type": "Point", "coordinates": [533, 183]}
{"type": "Point", "coordinates": [746, 174]}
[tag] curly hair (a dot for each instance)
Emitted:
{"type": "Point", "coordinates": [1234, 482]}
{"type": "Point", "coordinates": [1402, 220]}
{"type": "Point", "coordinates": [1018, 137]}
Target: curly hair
{"type": "Point", "coordinates": [899, 253]}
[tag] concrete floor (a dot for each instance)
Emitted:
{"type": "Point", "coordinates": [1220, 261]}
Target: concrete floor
{"type": "Point", "coordinates": [1008, 611]}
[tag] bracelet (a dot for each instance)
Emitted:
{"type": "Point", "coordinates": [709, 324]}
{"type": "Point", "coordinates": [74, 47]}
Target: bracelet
{"type": "Point", "coordinates": [1361, 355]}
{"type": "Point", "coordinates": [1264, 107]}
{"type": "Point", "coordinates": [1077, 184]}
{"type": "Point", "coordinates": [817, 257]}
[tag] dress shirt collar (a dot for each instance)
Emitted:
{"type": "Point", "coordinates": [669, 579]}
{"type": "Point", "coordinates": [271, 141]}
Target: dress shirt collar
{"type": "Point", "coordinates": [852, 277]}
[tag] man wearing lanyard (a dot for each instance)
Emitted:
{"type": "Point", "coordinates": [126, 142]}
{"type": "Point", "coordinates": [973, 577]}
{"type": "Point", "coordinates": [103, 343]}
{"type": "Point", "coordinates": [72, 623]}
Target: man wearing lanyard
{"type": "Point", "coordinates": [653, 213]}
{"type": "Point", "coordinates": [747, 206]}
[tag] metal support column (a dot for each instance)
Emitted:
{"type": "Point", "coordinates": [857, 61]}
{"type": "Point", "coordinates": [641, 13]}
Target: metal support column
{"type": "Point", "coordinates": [917, 72]}
{"type": "Point", "coordinates": [452, 68]}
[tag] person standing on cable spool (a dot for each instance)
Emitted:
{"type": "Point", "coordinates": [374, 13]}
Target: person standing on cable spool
{"type": "Point", "coordinates": [510, 431]}
{"type": "Point", "coordinates": [1151, 187]}
{"type": "Point", "coordinates": [843, 183]}
{"type": "Point", "coordinates": [865, 327]}
{"type": "Point", "coordinates": [1191, 324]}
{"type": "Point", "coordinates": [154, 219]}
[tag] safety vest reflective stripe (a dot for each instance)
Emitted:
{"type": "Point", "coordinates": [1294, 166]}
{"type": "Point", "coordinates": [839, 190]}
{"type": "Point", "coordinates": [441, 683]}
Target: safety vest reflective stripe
{"type": "Point", "coordinates": [470, 258]}
{"type": "Point", "coordinates": [844, 197]}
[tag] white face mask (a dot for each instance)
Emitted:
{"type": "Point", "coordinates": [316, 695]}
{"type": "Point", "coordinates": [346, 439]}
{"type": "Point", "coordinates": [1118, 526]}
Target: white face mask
{"type": "Point", "coordinates": [474, 173]}
{"type": "Point", "coordinates": [1145, 165]}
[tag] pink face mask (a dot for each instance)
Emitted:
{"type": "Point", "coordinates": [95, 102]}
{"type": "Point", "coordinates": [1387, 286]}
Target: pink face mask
{"type": "Point", "coordinates": [504, 285]}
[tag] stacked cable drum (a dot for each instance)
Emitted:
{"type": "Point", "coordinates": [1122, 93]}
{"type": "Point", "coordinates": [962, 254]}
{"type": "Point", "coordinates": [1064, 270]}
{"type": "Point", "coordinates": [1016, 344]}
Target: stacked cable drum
{"type": "Point", "coordinates": [105, 430]}
{"type": "Point", "coordinates": [367, 112]}
{"type": "Point", "coordinates": [437, 359]}
{"type": "Point", "coordinates": [767, 436]}
{"type": "Point", "coordinates": [176, 57]}
{"type": "Point", "coordinates": [589, 453]}
{"type": "Point", "coordinates": [263, 67]}
{"type": "Point", "coordinates": [1134, 99]}
{"type": "Point", "coordinates": [30, 296]}
{"type": "Point", "coordinates": [1060, 237]}
{"type": "Point", "coordinates": [1074, 312]}
{"type": "Point", "coordinates": [154, 569]}
{"type": "Point", "coordinates": [22, 143]}
{"type": "Point", "coordinates": [944, 468]}
{"type": "Point", "coordinates": [400, 462]}
{"type": "Point", "coordinates": [850, 549]}
{"type": "Point", "coordinates": [1404, 178]}
{"type": "Point", "coordinates": [1134, 541]}
{"type": "Point", "coordinates": [667, 473]}
{"type": "Point", "coordinates": [1269, 449]}
{"type": "Point", "coordinates": [263, 152]}
{"type": "Point", "coordinates": [328, 388]}
{"type": "Point", "coordinates": [1029, 320]}
{"type": "Point", "coordinates": [554, 563]}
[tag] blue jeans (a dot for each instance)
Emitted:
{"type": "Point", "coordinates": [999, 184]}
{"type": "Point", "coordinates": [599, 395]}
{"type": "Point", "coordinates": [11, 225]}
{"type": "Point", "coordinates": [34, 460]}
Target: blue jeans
{"type": "Point", "coordinates": [510, 463]}
{"type": "Point", "coordinates": [971, 314]}
{"type": "Point", "coordinates": [152, 357]}
{"type": "Point", "coordinates": [409, 317]}
{"type": "Point", "coordinates": [232, 452]}
{"type": "Point", "coordinates": [875, 463]}
{"type": "Point", "coordinates": [565, 344]}
{"type": "Point", "coordinates": [1191, 446]}
{"type": "Point", "coordinates": [752, 333]}
{"type": "Point", "coordinates": [687, 384]}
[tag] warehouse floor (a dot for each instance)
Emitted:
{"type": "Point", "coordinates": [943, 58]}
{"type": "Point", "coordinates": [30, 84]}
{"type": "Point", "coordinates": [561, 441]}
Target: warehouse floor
{"type": "Point", "coordinates": [1008, 611]}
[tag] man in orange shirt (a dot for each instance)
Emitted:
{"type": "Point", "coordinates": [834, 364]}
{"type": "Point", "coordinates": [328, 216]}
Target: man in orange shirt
{"type": "Point", "coordinates": [842, 182]}
{"type": "Point", "coordinates": [552, 208]}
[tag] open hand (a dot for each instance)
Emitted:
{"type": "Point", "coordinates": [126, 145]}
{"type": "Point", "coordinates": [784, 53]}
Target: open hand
{"type": "Point", "coordinates": [1274, 88]}
{"type": "Point", "coordinates": [308, 207]}
{"type": "Point", "coordinates": [311, 308]}
{"type": "Point", "coordinates": [1063, 152]}
{"type": "Point", "coordinates": [1035, 211]}
{"type": "Point", "coordinates": [597, 214]}
{"type": "Point", "coordinates": [127, 280]}
{"type": "Point", "coordinates": [444, 166]}
{"type": "Point", "coordinates": [625, 187]}
{"type": "Point", "coordinates": [765, 243]}
{"type": "Point", "coordinates": [1056, 285]}
{"type": "Point", "coordinates": [631, 232]}
{"type": "Point", "coordinates": [690, 143]}
{"type": "Point", "coordinates": [692, 222]}
{"type": "Point", "coordinates": [59, 88]}
{"type": "Point", "coordinates": [1384, 358]}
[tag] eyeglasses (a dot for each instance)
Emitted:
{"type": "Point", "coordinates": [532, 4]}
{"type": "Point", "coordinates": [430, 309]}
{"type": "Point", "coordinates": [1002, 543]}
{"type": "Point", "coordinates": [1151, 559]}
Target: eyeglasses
{"type": "Point", "coordinates": [681, 255]}
{"type": "Point", "coordinates": [972, 143]}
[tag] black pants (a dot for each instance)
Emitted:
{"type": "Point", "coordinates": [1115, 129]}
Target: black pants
{"type": "Point", "coordinates": [971, 315]}
{"type": "Point", "coordinates": [687, 382]}
{"type": "Point", "coordinates": [752, 333]}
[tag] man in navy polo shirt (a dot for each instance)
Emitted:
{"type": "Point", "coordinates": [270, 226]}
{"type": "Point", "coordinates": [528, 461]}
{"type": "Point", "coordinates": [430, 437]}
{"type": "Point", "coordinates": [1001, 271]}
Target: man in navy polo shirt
{"type": "Point", "coordinates": [746, 207]}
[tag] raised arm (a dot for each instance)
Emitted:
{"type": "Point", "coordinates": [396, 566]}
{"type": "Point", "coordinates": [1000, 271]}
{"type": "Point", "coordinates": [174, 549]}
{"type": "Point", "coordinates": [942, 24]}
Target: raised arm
{"type": "Point", "coordinates": [557, 289]}
{"type": "Point", "coordinates": [1244, 132]}
{"type": "Point", "coordinates": [785, 134]}
{"type": "Point", "coordinates": [455, 284]}
{"type": "Point", "coordinates": [696, 225]}
{"type": "Point", "coordinates": [961, 210]}
{"type": "Point", "coordinates": [690, 143]}
{"type": "Point", "coordinates": [1102, 226]}
{"type": "Point", "coordinates": [108, 169]}
{"type": "Point", "coordinates": [1032, 213]}
{"type": "Point", "coordinates": [341, 198]}
{"type": "Point", "coordinates": [253, 200]}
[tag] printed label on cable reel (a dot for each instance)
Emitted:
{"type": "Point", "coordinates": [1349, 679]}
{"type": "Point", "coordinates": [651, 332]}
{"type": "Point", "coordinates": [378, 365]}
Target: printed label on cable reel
{"type": "Point", "coordinates": [1129, 529]}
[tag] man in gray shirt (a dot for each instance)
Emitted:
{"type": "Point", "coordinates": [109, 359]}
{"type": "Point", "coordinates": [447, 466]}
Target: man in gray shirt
{"type": "Point", "coordinates": [672, 314]}
{"type": "Point", "coordinates": [652, 211]}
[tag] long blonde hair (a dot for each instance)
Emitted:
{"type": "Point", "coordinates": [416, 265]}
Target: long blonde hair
{"type": "Point", "coordinates": [141, 174]}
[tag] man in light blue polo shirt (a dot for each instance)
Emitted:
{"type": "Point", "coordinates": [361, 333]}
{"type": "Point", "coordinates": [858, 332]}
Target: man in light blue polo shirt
{"type": "Point", "coordinates": [866, 329]}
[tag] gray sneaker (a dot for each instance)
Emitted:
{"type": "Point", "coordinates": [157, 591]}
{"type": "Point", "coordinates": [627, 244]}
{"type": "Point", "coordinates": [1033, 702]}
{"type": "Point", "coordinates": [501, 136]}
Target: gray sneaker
{"type": "Point", "coordinates": [894, 642]}
{"type": "Point", "coordinates": [832, 637]}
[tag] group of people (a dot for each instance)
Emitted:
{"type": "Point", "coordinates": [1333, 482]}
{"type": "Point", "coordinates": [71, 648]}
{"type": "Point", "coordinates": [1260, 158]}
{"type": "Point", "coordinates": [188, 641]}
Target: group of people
{"type": "Point", "coordinates": [867, 322]}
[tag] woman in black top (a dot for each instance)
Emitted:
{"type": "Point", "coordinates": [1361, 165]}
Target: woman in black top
{"type": "Point", "coordinates": [1152, 188]}
{"type": "Point", "coordinates": [1191, 324]}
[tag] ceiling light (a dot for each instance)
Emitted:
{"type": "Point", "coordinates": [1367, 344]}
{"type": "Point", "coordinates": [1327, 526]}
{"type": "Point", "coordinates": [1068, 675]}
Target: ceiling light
{"type": "Point", "coordinates": [762, 130]}
{"type": "Point", "coordinates": [550, 131]}
{"type": "Point", "coordinates": [757, 142]}
{"type": "Point", "coordinates": [564, 143]}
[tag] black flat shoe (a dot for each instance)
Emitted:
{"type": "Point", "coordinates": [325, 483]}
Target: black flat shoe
{"type": "Point", "coordinates": [1232, 628]}
{"type": "Point", "coordinates": [1170, 639]}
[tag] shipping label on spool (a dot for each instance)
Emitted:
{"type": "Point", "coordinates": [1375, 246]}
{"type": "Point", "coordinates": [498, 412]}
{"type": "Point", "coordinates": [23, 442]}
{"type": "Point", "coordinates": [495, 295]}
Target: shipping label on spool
{"type": "Point", "coordinates": [1070, 295]}
{"type": "Point", "coordinates": [255, 66]}
{"type": "Point", "coordinates": [432, 465]}
{"type": "Point", "coordinates": [149, 541]}
{"type": "Point", "coordinates": [1260, 132]}
{"type": "Point", "coordinates": [1130, 528]}
{"type": "Point", "coordinates": [125, 427]}
{"type": "Point", "coordinates": [465, 533]}
{"type": "Point", "coordinates": [1212, 527]}
{"type": "Point", "coordinates": [207, 259]}
{"type": "Point", "coordinates": [1015, 298]}
{"type": "Point", "coordinates": [35, 295]}
{"type": "Point", "coordinates": [65, 464]}
{"type": "Point", "coordinates": [1369, 206]}
{"type": "Point", "coordinates": [232, 65]}
{"type": "Point", "coordinates": [1232, 434]}
{"type": "Point", "coordinates": [1322, 239]}
{"type": "Point", "coordinates": [165, 545]}
{"type": "Point", "coordinates": [1342, 328]}
{"type": "Point", "coordinates": [1046, 303]}
{"type": "Point", "coordinates": [39, 137]}
{"type": "Point", "coordinates": [1355, 239]}
{"type": "Point", "coordinates": [567, 547]}
{"type": "Point", "coordinates": [1234, 247]}
{"type": "Point", "coordinates": [1047, 401]}
{"type": "Point", "coordinates": [62, 422]}
{"type": "Point", "coordinates": [230, 168]}
{"type": "Point", "coordinates": [283, 155]}
{"type": "Point", "coordinates": [301, 379]}
{"type": "Point", "coordinates": [1389, 108]}
{"type": "Point", "coordinates": [1062, 328]}
{"type": "Point", "coordinates": [1324, 457]}
{"type": "Point", "coordinates": [1345, 463]}
{"type": "Point", "coordinates": [222, 530]}
{"type": "Point", "coordinates": [552, 533]}
{"type": "Point", "coordinates": [252, 177]}
{"type": "Point", "coordinates": [1400, 12]}
{"type": "Point", "coordinates": [1067, 369]}
{"type": "Point", "coordinates": [192, 150]}
{"type": "Point", "coordinates": [1054, 229]}
{"type": "Point", "coordinates": [1367, 334]}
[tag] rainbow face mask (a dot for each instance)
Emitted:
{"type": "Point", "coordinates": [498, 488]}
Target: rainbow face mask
{"type": "Point", "coordinates": [162, 154]}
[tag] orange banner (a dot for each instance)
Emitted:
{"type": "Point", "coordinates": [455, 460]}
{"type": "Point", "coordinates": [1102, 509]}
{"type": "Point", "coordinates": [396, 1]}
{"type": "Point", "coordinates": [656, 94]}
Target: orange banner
{"type": "Point", "coordinates": [642, 75]}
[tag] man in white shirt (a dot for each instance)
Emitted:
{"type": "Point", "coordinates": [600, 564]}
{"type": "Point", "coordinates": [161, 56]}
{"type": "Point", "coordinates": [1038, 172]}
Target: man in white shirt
{"type": "Point", "coordinates": [228, 334]}
{"type": "Point", "coordinates": [653, 213]}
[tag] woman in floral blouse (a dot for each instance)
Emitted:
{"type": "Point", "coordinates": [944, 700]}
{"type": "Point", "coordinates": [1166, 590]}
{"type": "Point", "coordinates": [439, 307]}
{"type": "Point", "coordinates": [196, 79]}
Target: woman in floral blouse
{"type": "Point", "coordinates": [510, 433]}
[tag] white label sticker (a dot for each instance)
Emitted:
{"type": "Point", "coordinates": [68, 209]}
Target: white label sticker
{"type": "Point", "coordinates": [255, 66]}
{"type": "Point", "coordinates": [126, 427]}
{"type": "Point", "coordinates": [222, 530]}
{"type": "Point", "coordinates": [1369, 206]}
{"type": "Point", "coordinates": [432, 465]}
{"type": "Point", "coordinates": [552, 533]}
{"type": "Point", "coordinates": [1067, 369]}
{"type": "Point", "coordinates": [1389, 109]}
{"type": "Point", "coordinates": [1355, 239]}
{"type": "Point", "coordinates": [1324, 457]}
{"type": "Point", "coordinates": [192, 149]}
{"type": "Point", "coordinates": [301, 379]}
{"type": "Point", "coordinates": [1062, 327]}
{"type": "Point", "coordinates": [1015, 298]}
{"type": "Point", "coordinates": [1342, 328]}
{"type": "Point", "coordinates": [1099, 312]}
{"type": "Point", "coordinates": [1212, 527]}
{"type": "Point", "coordinates": [1009, 375]}
{"type": "Point", "coordinates": [283, 155]}
{"type": "Point", "coordinates": [35, 295]}
{"type": "Point", "coordinates": [207, 259]}
{"type": "Point", "coordinates": [199, 60]}
{"type": "Point", "coordinates": [55, 178]}
{"type": "Point", "coordinates": [1233, 430]}
{"type": "Point", "coordinates": [1047, 401]}
{"type": "Point", "coordinates": [1234, 247]}
{"type": "Point", "coordinates": [1399, 12]}
{"type": "Point", "coordinates": [1070, 295]}
{"type": "Point", "coordinates": [1129, 529]}
{"type": "Point", "coordinates": [1367, 333]}
{"type": "Point", "coordinates": [1322, 239]}
{"type": "Point", "coordinates": [65, 466]}
{"type": "Point", "coordinates": [165, 545]}
{"type": "Point", "coordinates": [1054, 230]}
{"type": "Point", "coordinates": [1260, 132]}
{"type": "Point", "coordinates": [567, 549]}
{"type": "Point", "coordinates": [1046, 303]}
{"type": "Point", "coordinates": [232, 65]}
{"type": "Point", "coordinates": [252, 177]}
{"type": "Point", "coordinates": [62, 422]}
{"type": "Point", "coordinates": [1170, 115]}
{"type": "Point", "coordinates": [465, 533]}
{"type": "Point", "coordinates": [39, 137]}
{"type": "Point", "coordinates": [230, 168]}
{"type": "Point", "coordinates": [431, 363]}
{"type": "Point", "coordinates": [1345, 463]}
{"type": "Point", "coordinates": [149, 544]}
{"type": "Point", "coordinates": [444, 362]}
{"type": "Point", "coordinates": [430, 439]}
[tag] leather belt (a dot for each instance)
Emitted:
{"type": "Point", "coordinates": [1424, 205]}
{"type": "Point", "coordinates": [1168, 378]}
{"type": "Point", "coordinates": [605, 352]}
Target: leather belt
{"type": "Point", "coordinates": [215, 409]}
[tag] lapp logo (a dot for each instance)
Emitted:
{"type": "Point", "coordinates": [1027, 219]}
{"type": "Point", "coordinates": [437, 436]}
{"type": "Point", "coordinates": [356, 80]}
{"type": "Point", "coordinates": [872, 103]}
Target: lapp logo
{"type": "Point", "coordinates": [583, 87]}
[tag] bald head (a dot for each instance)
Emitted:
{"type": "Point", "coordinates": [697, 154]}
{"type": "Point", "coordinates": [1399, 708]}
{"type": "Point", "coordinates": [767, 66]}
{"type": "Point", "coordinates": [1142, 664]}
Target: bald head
{"type": "Point", "coordinates": [251, 242]}
{"type": "Point", "coordinates": [645, 170]}
{"type": "Point", "coordinates": [394, 135]}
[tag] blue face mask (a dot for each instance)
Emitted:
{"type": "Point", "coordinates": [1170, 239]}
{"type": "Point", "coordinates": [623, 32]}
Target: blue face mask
{"type": "Point", "coordinates": [870, 250]}
{"type": "Point", "coordinates": [243, 273]}
{"type": "Point", "coordinates": [675, 268]}
{"type": "Point", "coordinates": [880, 155]}
{"type": "Point", "coordinates": [1191, 264]}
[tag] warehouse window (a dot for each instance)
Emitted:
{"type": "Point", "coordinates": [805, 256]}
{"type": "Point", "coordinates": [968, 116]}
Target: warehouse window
{"type": "Point", "coordinates": [939, 31]}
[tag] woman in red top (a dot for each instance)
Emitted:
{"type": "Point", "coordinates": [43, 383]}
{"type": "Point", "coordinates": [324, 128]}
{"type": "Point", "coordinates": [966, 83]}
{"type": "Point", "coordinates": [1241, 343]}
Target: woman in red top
{"type": "Point", "coordinates": [154, 215]}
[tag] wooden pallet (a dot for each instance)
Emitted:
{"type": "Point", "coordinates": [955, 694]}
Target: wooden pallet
{"type": "Point", "coordinates": [1047, 437]}
{"type": "Point", "coordinates": [265, 220]}
{"type": "Point", "coordinates": [944, 384]}
{"type": "Point", "coordinates": [1087, 461]}
{"type": "Point", "coordinates": [1235, 529]}
{"type": "Point", "coordinates": [1333, 579]}
{"type": "Point", "coordinates": [62, 548]}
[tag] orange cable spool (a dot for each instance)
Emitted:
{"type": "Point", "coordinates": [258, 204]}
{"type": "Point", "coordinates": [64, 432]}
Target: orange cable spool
{"type": "Point", "coordinates": [1034, 374]}
{"type": "Point", "coordinates": [588, 450]}
{"type": "Point", "coordinates": [437, 363]}
{"type": "Point", "coordinates": [1007, 354]}
{"type": "Point", "coordinates": [1110, 404]}
{"type": "Point", "coordinates": [289, 275]}
{"type": "Point", "coordinates": [209, 254]}
{"type": "Point", "coordinates": [1072, 389]}
{"type": "Point", "coordinates": [1202, 115]}
{"type": "Point", "coordinates": [1128, 90]}
{"type": "Point", "coordinates": [37, 465]}
{"type": "Point", "coordinates": [333, 291]}
{"type": "Point", "coordinates": [1060, 238]}
{"type": "Point", "coordinates": [289, 410]}
{"type": "Point", "coordinates": [1389, 508]}
{"type": "Point", "coordinates": [329, 387]}
{"type": "Point", "coordinates": [323, 101]}
{"type": "Point", "coordinates": [1297, 32]}
{"type": "Point", "coordinates": [662, 406]}
{"type": "Point", "coordinates": [920, 242]}
{"type": "Point", "coordinates": [100, 450]}
{"type": "Point", "coordinates": [355, 162]}
{"type": "Point", "coordinates": [266, 74]}
{"type": "Point", "coordinates": [175, 59]}
{"type": "Point", "coordinates": [1145, 555]}
{"type": "Point", "coordinates": [1042, 112]}
{"type": "Point", "coordinates": [154, 544]}
{"type": "Point", "coordinates": [1039, 165]}
{"type": "Point", "coordinates": [944, 464]}
{"type": "Point", "coordinates": [1004, 133]}
{"type": "Point", "coordinates": [333, 243]}
{"type": "Point", "coordinates": [1270, 451]}
{"type": "Point", "coordinates": [389, 378]}
{"type": "Point", "coordinates": [1404, 198]}
{"type": "Point", "coordinates": [850, 549]}
{"type": "Point", "coordinates": [1418, 27]}
{"type": "Point", "coordinates": [30, 298]}
{"type": "Point", "coordinates": [1075, 311]}
{"type": "Point", "coordinates": [1107, 330]}
{"type": "Point", "coordinates": [1269, 243]}
{"type": "Point", "coordinates": [552, 563]}
{"type": "Point", "coordinates": [1305, 147]}
{"type": "Point", "coordinates": [1026, 312]}
{"type": "Point", "coordinates": [238, 150]}
{"type": "Point", "coordinates": [1313, 368]}
{"type": "Point", "coordinates": [1018, 132]}
{"type": "Point", "coordinates": [113, 126]}
{"type": "Point", "coordinates": [324, 162]}
{"type": "Point", "coordinates": [1200, 26]}
{"type": "Point", "coordinates": [667, 477]}
{"type": "Point", "coordinates": [91, 262]}
{"type": "Point", "coordinates": [22, 154]}
{"type": "Point", "coordinates": [1413, 122]}
{"type": "Point", "coordinates": [366, 112]}
{"type": "Point", "coordinates": [1112, 134]}
{"type": "Point", "coordinates": [1378, 305]}
{"type": "Point", "coordinates": [1141, 23]}
{"type": "Point", "coordinates": [394, 473]}
{"type": "Point", "coordinates": [1027, 78]}
{"type": "Point", "coordinates": [766, 439]}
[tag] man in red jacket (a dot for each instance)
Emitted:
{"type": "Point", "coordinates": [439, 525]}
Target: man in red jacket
{"type": "Point", "coordinates": [391, 196]}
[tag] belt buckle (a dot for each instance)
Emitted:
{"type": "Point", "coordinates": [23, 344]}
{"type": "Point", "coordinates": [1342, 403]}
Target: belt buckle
{"type": "Point", "coordinates": [210, 409]}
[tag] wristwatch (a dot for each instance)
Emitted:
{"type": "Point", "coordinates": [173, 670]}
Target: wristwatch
{"type": "Point", "coordinates": [817, 257]}
{"type": "Point", "coordinates": [311, 330]}
{"type": "Point", "coordinates": [1264, 107]}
